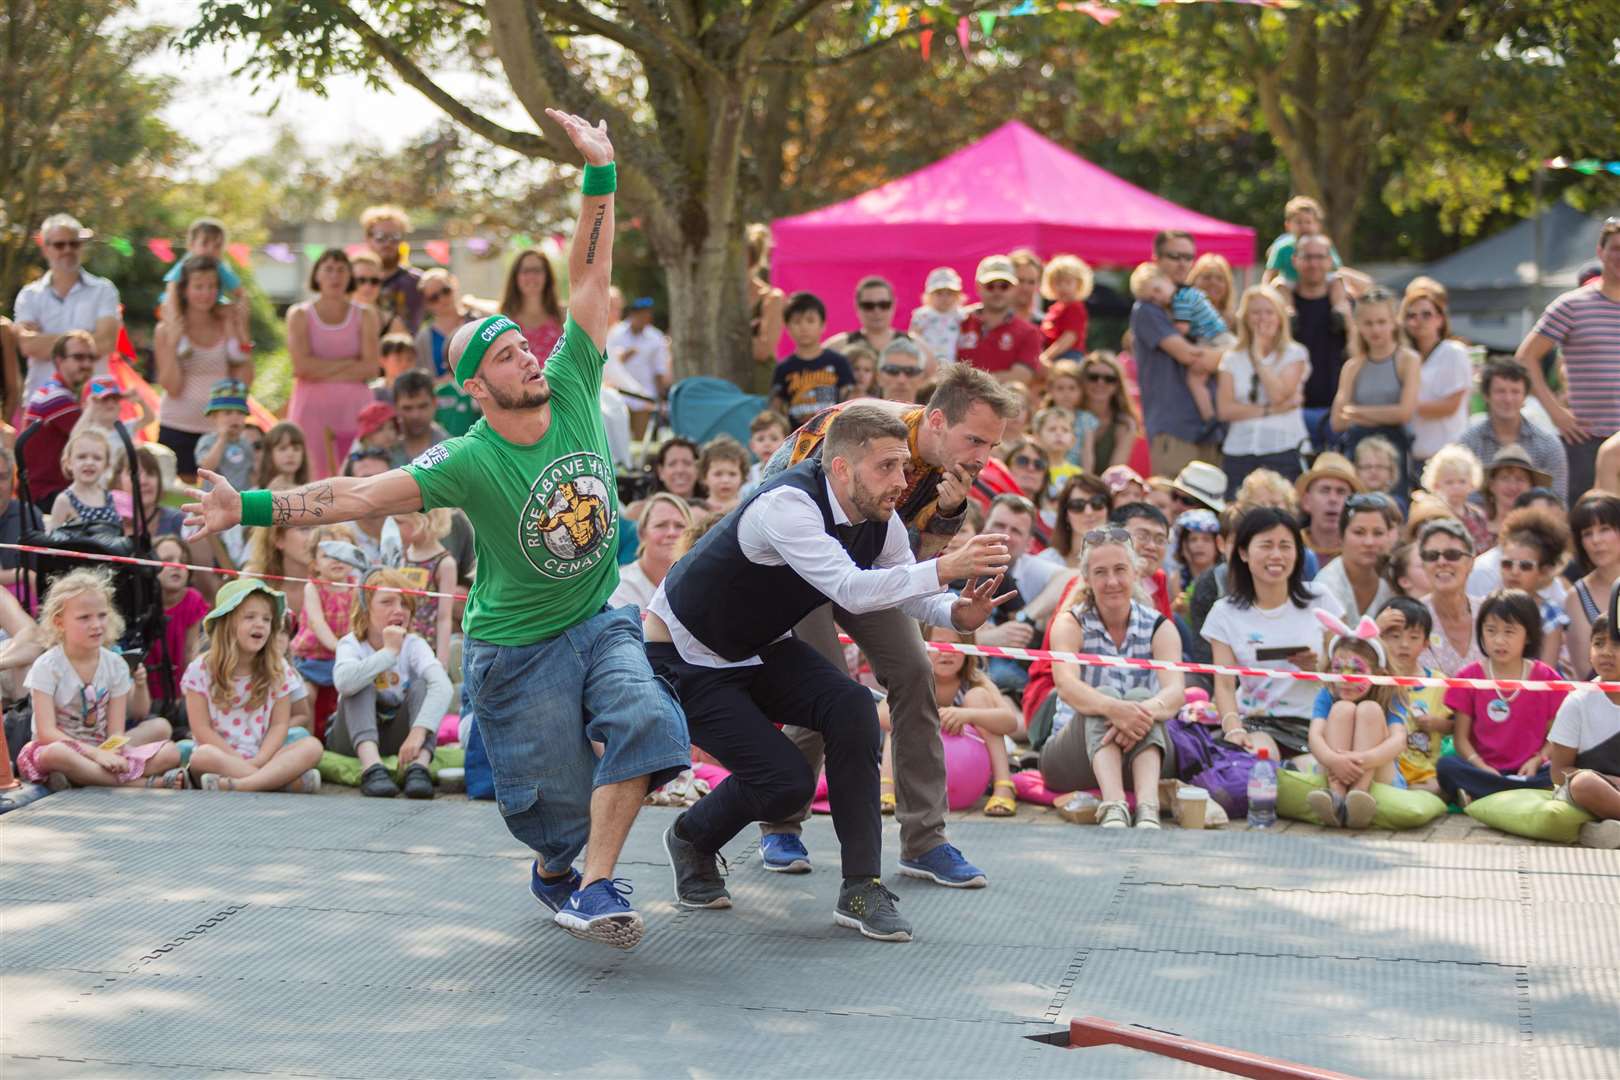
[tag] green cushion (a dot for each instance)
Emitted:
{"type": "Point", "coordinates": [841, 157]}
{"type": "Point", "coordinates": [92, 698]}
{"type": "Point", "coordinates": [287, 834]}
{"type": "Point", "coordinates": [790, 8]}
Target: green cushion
{"type": "Point", "coordinates": [1533, 812]}
{"type": "Point", "coordinates": [1398, 808]}
{"type": "Point", "coordinates": [345, 770]}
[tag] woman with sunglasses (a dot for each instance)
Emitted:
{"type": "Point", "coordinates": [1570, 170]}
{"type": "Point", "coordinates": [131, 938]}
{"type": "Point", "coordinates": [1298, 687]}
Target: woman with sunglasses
{"type": "Point", "coordinates": [1111, 719]}
{"type": "Point", "coordinates": [1259, 392]}
{"type": "Point", "coordinates": [1082, 506]}
{"type": "Point", "coordinates": [1113, 424]}
{"type": "Point", "coordinates": [1027, 464]}
{"type": "Point", "coordinates": [368, 280]}
{"type": "Point", "coordinates": [1447, 551]}
{"type": "Point", "coordinates": [333, 343]}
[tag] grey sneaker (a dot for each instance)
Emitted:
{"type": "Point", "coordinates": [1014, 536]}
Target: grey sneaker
{"type": "Point", "coordinates": [869, 907]}
{"type": "Point", "coordinates": [697, 875]}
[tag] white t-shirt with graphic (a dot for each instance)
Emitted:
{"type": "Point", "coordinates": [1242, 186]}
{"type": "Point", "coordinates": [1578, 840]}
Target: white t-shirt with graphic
{"type": "Point", "coordinates": [1248, 630]}
{"type": "Point", "coordinates": [81, 710]}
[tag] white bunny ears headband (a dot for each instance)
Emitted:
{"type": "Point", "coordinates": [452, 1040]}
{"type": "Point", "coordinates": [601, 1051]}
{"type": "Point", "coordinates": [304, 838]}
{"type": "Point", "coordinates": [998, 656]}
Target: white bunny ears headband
{"type": "Point", "coordinates": [1366, 631]}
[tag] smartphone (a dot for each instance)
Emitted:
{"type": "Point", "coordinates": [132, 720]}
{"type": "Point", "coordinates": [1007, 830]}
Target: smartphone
{"type": "Point", "coordinates": [1279, 652]}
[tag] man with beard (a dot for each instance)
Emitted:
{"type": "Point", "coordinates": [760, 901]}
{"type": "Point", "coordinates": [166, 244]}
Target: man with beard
{"type": "Point", "coordinates": [549, 669]}
{"type": "Point", "coordinates": [719, 630]}
{"type": "Point", "coordinates": [949, 440]}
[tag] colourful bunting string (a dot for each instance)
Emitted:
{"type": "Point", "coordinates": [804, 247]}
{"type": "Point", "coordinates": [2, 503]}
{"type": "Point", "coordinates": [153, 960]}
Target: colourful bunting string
{"type": "Point", "coordinates": [962, 34]}
{"type": "Point", "coordinates": [281, 253]}
{"type": "Point", "coordinates": [890, 18]}
{"type": "Point", "coordinates": [438, 251]}
{"type": "Point", "coordinates": [167, 249]}
{"type": "Point", "coordinates": [477, 245]}
{"type": "Point", "coordinates": [240, 254]}
{"type": "Point", "coordinates": [1587, 166]}
{"type": "Point", "coordinates": [312, 252]}
{"type": "Point", "coordinates": [162, 249]}
{"type": "Point", "coordinates": [120, 245]}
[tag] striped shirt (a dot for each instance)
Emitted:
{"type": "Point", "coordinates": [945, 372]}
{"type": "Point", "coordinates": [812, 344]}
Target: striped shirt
{"type": "Point", "coordinates": [1138, 645]}
{"type": "Point", "coordinates": [1586, 325]}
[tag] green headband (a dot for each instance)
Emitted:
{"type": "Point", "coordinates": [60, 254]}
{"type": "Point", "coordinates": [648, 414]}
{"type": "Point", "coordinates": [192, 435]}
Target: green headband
{"type": "Point", "coordinates": [483, 337]}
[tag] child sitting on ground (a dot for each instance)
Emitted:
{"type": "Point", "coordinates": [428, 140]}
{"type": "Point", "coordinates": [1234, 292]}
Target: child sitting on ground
{"type": "Point", "coordinates": [183, 612]}
{"type": "Point", "coordinates": [86, 461]}
{"type": "Point", "coordinates": [1584, 746]}
{"type": "Point", "coordinates": [393, 691]}
{"type": "Point", "coordinates": [80, 692]}
{"type": "Point", "coordinates": [429, 567]}
{"type": "Point", "coordinates": [327, 597]}
{"type": "Point", "coordinates": [1501, 735]}
{"type": "Point", "coordinates": [969, 704]}
{"type": "Point", "coordinates": [1404, 626]}
{"type": "Point", "coordinates": [238, 699]}
{"type": "Point", "coordinates": [1357, 730]}
{"type": "Point", "coordinates": [937, 323]}
{"type": "Point", "coordinates": [720, 471]}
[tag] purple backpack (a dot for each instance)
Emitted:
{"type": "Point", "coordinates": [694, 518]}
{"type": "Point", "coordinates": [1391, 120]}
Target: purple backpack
{"type": "Point", "coordinates": [1205, 760]}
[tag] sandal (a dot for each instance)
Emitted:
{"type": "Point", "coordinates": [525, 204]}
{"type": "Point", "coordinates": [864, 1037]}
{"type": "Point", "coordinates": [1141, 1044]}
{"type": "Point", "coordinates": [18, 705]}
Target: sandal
{"type": "Point", "coordinates": [886, 802]}
{"type": "Point", "coordinates": [209, 781]}
{"type": "Point", "coordinates": [999, 805]}
{"type": "Point", "coordinates": [1113, 815]}
{"type": "Point", "coordinates": [172, 780]}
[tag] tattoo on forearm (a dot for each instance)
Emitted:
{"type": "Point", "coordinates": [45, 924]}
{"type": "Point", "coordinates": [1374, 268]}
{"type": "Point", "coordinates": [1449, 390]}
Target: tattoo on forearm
{"type": "Point", "coordinates": [596, 234]}
{"type": "Point", "coordinates": [296, 507]}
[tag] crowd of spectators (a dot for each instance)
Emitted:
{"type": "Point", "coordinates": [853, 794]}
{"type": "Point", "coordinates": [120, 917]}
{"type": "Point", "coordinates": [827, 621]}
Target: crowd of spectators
{"type": "Point", "coordinates": [1310, 451]}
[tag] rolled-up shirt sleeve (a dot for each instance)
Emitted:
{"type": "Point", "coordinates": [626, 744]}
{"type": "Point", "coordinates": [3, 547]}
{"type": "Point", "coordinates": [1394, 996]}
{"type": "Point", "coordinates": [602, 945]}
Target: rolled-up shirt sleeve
{"type": "Point", "coordinates": [787, 524]}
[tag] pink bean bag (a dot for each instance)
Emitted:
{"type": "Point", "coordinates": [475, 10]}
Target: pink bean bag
{"type": "Point", "coordinates": [450, 730]}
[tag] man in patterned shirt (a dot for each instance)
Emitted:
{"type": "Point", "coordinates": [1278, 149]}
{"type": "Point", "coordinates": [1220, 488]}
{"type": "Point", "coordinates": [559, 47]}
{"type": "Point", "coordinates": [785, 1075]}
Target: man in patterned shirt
{"type": "Point", "coordinates": [951, 437]}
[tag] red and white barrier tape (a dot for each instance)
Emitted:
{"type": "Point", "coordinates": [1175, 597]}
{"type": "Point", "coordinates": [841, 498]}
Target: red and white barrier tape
{"type": "Point", "coordinates": [1006, 652]}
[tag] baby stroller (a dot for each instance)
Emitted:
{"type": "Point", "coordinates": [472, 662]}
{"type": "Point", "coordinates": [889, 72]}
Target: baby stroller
{"type": "Point", "coordinates": [135, 588]}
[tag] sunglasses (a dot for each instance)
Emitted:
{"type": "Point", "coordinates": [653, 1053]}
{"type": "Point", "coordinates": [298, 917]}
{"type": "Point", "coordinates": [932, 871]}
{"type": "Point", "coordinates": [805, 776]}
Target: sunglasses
{"type": "Point", "coordinates": [901, 369]}
{"type": "Point", "coordinates": [1080, 506]}
{"type": "Point", "coordinates": [1448, 554]}
{"type": "Point", "coordinates": [1024, 461]}
{"type": "Point", "coordinates": [994, 286]}
{"type": "Point", "coordinates": [367, 280]}
{"type": "Point", "coordinates": [1357, 503]}
{"type": "Point", "coordinates": [1178, 256]}
{"type": "Point", "coordinates": [435, 296]}
{"type": "Point", "coordinates": [90, 356]}
{"type": "Point", "coordinates": [875, 305]}
{"type": "Point", "coordinates": [1523, 566]}
{"type": "Point", "coordinates": [1102, 377]}
{"type": "Point", "coordinates": [65, 245]}
{"type": "Point", "coordinates": [1113, 534]}
{"type": "Point", "coordinates": [386, 237]}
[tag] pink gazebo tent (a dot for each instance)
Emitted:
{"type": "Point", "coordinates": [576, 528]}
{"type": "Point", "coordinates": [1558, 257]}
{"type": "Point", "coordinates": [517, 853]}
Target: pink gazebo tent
{"type": "Point", "coordinates": [1011, 189]}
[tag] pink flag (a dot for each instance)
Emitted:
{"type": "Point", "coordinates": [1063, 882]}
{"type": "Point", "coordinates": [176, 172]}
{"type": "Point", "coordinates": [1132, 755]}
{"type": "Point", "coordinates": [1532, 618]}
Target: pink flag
{"type": "Point", "coordinates": [438, 251]}
{"type": "Point", "coordinates": [240, 254]}
{"type": "Point", "coordinates": [962, 34]}
{"type": "Point", "coordinates": [162, 249]}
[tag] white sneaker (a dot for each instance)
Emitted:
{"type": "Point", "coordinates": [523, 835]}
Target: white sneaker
{"type": "Point", "coordinates": [1113, 815]}
{"type": "Point", "coordinates": [1601, 834]}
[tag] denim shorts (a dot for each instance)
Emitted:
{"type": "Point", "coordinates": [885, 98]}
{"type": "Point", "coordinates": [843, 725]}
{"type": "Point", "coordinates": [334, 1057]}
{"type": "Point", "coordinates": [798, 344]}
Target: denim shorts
{"type": "Point", "coordinates": [314, 670]}
{"type": "Point", "coordinates": [539, 708]}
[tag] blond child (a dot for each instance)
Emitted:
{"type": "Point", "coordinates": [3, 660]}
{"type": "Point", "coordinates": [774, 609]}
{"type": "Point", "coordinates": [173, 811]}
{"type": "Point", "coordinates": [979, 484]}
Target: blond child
{"type": "Point", "coordinates": [1453, 474]}
{"type": "Point", "coordinates": [239, 699]}
{"type": "Point", "coordinates": [1378, 463]}
{"type": "Point", "coordinates": [104, 408]}
{"type": "Point", "coordinates": [766, 434]}
{"type": "Point", "coordinates": [968, 703]}
{"type": "Point", "coordinates": [430, 567]}
{"type": "Point", "coordinates": [1357, 729]}
{"type": "Point", "coordinates": [937, 323]}
{"type": "Point", "coordinates": [1151, 285]}
{"type": "Point", "coordinates": [721, 469]}
{"type": "Point", "coordinates": [81, 690]}
{"type": "Point", "coordinates": [1302, 216]}
{"type": "Point", "coordinates": [1065, 284]}
{"type": "Point", "coordinates": [1054, 434]}
{"type": "Point", "coordinates": [86, 462]}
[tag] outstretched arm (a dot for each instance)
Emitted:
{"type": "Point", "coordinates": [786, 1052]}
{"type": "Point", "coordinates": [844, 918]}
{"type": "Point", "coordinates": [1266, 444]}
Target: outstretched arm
{"type": "Point", "coordinates": [590, 259]}
{"type": "Point", "coordinates": [340, 498]}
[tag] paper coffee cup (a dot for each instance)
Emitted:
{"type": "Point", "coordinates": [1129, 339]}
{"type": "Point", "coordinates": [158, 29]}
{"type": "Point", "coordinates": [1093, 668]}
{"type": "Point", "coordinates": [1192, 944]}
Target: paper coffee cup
{"type": "Point", "coordinates": [1191, 804]}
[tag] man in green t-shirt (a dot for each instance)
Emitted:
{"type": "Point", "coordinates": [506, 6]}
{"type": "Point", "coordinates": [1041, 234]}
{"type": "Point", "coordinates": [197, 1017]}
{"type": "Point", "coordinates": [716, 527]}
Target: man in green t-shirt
{"type": "Point", "coordinates": [548, 667]}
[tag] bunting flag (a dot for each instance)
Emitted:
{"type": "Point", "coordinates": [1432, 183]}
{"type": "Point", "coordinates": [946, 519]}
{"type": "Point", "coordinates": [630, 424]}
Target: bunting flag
{"type": "Point", "coordinates": [162, 249]}
{"type": "Point", "coordinates": [240, 254]}
{"type": "Point", "coordinates": [438, 251]}
{"type": "Point", "coordinates": [962, 34]}
{"type": "Point", "coordinates": [892, 18]}
{"type": "Point", "coordinates": [313, 251]}
{"type": "Point", "coordinates": [281, 253]}
{"type": "Point", "coordinates": [1588, 166]}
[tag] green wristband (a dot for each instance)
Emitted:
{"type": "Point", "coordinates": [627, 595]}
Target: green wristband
{"type": "Point", "coordinates": [257, 508]}
{"type": "Point", "coordinates": [601, 179]}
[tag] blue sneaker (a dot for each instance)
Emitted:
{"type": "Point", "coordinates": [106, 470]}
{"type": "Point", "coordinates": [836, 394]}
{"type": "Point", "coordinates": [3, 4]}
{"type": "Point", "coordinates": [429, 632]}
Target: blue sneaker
{"type": "Point", "coordinates": [553, 894]}
{"type": "Point", "coordinates": [784, 853]}
{"type": "Point", "coordinates": [945, 866]}
{"type": "Point", "coordinates": [600, 912]}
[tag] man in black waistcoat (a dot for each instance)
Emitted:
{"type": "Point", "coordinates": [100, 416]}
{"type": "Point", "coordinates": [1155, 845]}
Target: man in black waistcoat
{"type": "Point", "coordinates": [719, 629]}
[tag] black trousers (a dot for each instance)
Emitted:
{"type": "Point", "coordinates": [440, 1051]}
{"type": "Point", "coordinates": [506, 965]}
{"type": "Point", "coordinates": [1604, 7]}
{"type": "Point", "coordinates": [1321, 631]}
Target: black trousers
{"type": "Point", "coordinates": [731, 713]}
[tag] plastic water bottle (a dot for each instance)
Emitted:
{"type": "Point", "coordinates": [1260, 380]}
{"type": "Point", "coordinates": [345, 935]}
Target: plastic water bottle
{"type": "Point", "coordinates": [1263, 792]}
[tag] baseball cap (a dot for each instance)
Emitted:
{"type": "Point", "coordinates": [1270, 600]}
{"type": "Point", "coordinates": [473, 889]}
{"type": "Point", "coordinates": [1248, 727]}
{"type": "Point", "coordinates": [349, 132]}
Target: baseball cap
{"type": "Point", "coordinates": [640, 303]}
{"type": "Point", "coordinates": [943, 277]}
{"type": "Point", "coordinates": [373, 417]}
{"type": "Point", "coordinates": [996, 268]}
{"type": "Point", "coordinates": [103, 386]}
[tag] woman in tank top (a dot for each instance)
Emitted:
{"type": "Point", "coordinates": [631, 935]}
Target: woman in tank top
{"type": "Point", "coordinates": [193, 352]}
{"type": "Point", "coordinates": [1595, 524]}
{"type": "Point", "coordinates": [333, 342]}
{"type": "Point", "coordinates": [1378, 386]}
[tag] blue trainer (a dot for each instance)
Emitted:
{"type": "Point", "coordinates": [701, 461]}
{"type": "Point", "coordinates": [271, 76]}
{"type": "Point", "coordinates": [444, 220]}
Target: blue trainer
{"type": "Point", "coordinates": [552, 894]}
{"type": "Point", "coordinates": [600, 912]}
{"type": "Point", "coordinates": [945, 866]}
{"type": "Point", "coordinates": [784, 853]}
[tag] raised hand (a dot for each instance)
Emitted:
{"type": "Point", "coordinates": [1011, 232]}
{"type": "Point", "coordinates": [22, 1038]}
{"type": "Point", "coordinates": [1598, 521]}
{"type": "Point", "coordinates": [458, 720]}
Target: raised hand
{"type": "Point", "coordinates": [215, 511]}
{"type": "Point", "coordinates": [982, 556]}
{"type": "Point", "coordinates": [592, 142]}
{"type": "Point", "coordinates": [973, 607]}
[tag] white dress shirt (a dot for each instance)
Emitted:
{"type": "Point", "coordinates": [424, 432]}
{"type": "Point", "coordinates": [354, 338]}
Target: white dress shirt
{"type": "Point", "coordinates": [783, 527]}
{"type": "Point", "coordinates": [90, 300]}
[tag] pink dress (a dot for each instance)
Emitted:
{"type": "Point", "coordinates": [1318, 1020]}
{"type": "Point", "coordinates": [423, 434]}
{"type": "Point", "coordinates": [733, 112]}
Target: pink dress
{"type": "Point", "coordinates": [543, 337]}
{"type": "Point", "coordinates": [335, 603]}
{"type": "Point", "coordinates": [328, 411]}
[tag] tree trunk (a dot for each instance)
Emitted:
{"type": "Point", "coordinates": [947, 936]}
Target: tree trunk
{"type": "Point", "coordinates": [708, 322]}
